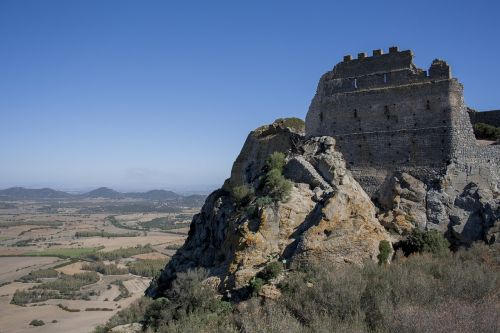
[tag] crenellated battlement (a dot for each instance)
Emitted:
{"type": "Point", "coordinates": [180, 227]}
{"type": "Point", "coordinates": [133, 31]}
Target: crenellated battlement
{"type": "Point", "coordinates": [375, 53]}
{"type": "Point", "coordinates": [381, 70]}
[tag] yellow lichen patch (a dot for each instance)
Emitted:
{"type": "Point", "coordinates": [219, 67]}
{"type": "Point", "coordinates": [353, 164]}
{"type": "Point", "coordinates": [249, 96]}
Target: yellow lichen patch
{"type": "Point", "coordinates": [263, 220]}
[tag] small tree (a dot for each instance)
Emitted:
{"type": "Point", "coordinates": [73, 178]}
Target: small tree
{"type": "Point", "coordinates": [425, 241]}
{"type": "Point", "coordinates": [385, 250]}
{"type": "Point", "coordinates": [277, 186]}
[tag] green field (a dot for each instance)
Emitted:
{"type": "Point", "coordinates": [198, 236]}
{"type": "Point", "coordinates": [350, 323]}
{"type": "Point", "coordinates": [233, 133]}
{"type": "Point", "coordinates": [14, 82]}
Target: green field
{"type": "Point", "coordinates": [121, 253]}
{"type": "Point", "coordinates": [64, 252]}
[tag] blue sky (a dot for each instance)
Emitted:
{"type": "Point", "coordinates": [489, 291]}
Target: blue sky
{"type": "Point", "coordinates": [162, 94]}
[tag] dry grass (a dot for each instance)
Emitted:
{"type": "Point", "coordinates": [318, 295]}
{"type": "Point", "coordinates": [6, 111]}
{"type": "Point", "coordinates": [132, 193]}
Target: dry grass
{"type": "Point", "coordinates": [422, 293]}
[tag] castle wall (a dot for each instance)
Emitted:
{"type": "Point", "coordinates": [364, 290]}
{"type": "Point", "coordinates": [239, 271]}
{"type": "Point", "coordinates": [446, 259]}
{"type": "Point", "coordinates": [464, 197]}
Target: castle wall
{"type": "Point", "coordinates": [406, 125]}
{"type": "Point", "coordinates": [486, 117]}
{"type": "Point", "coordinates": [388, 115]}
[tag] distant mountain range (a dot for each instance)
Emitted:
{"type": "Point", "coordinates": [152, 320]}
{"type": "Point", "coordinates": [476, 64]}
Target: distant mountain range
{"type": "Point", "coordinates": [21, 193]}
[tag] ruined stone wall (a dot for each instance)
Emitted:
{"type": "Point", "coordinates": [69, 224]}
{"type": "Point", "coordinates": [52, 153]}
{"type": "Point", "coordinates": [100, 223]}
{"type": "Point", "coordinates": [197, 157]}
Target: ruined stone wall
{"type": "Point", "coordinates": [486, 117]}
{"type": "Point", "coordinates": [387, 115]}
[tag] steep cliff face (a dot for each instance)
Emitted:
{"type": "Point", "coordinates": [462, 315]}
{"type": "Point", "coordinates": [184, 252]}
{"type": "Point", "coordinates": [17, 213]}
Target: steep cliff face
{"type": "Point", "coordinates": [326, 215]}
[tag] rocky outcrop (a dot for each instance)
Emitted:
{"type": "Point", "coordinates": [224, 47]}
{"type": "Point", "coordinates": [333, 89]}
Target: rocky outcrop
{"type": "Point", "coordinates": [464, 204]}
{"type": "Point", "coordinates": [402, 197]}
{"type": "Point", "coordinates": [260, 143]}
{"type": "Point", "coordinates": [327, 215]}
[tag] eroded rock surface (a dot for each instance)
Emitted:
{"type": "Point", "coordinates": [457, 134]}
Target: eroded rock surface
{"type": "Point", "coordinates": [464, 204]}
{"type": "Point", "coordinates": [327, 216]}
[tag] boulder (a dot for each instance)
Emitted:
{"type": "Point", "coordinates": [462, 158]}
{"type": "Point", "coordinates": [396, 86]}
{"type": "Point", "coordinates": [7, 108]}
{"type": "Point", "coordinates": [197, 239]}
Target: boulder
{"type": "Point", "coordinates": [344, 229]}
{"type": "Point", "coordinates": [402, 198]}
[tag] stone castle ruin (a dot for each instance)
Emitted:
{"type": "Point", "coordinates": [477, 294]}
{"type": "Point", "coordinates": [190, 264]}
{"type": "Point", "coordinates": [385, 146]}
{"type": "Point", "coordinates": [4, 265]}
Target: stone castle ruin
{"type": "Point", "coordinates": [387, 148]}
{"type": "Point", "coordinates": [386, 114]}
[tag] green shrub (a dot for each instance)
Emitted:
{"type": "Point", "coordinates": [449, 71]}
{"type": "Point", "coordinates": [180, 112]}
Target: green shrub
{"type": "Point", "coordinates": [277, 186]}
{"type": "Point", "coordinates": [256, 284]}
{"type": "Point", "coordinates": [486, 132]}
{"type": "Point", "coordinates": [223, 307]}
{"type": "Point", "coordinates": [274, 184]}
{"type": "Point", "coordinates": [276, 161]}
{"type": "Point", "coordinates": [189, 290]}
{"type": "Point", "coordinates": [260, 203]}
{"type": "Point", "coordinates": [385, 250]}
{"type": "Point", "coordinates": [271, 271]}
{"type": "Point", "coordinates": [425, 241]}
{"type": "Point", "coordinates": [264, 201]}
{"type": "Point", "coordinates": [36, 322]}
{"type": "Point", "coordinates": [242, 194]}
{"type": "Point", "coordinates": [190, 304]}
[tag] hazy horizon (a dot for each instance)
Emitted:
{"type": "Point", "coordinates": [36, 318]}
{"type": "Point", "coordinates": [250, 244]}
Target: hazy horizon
{"type": "Point", "coordinates": [152, 95]}
{"type": "Point", "coordinates": [194, 189]}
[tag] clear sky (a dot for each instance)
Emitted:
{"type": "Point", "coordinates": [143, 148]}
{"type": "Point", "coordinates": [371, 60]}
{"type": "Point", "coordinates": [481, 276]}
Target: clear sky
{"type": "Point", "coordinates": [162, 94]}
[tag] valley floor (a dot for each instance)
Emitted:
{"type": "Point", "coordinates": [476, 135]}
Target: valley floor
{"type": "Point", "coordinates": [38, 237]}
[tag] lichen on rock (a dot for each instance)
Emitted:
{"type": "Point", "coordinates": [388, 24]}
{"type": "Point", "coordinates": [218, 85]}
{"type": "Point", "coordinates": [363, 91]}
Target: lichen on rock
{"type": "Point", "coordinates": [326, 214]}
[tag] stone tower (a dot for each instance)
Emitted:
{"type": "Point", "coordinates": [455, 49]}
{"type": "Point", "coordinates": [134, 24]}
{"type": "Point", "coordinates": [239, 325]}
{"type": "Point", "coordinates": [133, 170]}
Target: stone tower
{"type": "Point", "coordinates": [386, 114]}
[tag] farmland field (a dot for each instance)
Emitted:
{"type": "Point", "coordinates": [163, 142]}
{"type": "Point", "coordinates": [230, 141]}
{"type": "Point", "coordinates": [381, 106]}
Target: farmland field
{"type": "Point", "coordinates": [75, 264]}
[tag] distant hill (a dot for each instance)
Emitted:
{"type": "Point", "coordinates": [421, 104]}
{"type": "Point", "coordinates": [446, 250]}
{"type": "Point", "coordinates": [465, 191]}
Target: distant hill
{"type": "Point", "coordinates": [103, 192]}
{"type": "Point", "coordinates": [193, 200]}
{"type": "Point", "coordinates": [154, 195]}
{"type": "Point", "coordinates": [21, 193]}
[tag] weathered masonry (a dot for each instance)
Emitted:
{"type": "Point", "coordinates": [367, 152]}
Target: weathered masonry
{"type": "Point", "coordinates": [387, 114]}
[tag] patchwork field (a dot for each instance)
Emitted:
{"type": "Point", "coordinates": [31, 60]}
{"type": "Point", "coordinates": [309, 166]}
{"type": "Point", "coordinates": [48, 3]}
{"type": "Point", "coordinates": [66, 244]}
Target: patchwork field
{"type": "Point", "coordinates": [74, 268]}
